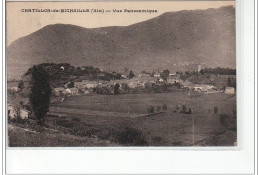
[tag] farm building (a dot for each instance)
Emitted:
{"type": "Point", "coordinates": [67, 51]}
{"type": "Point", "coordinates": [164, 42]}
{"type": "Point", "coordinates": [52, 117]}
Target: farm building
{"type": "Point", "coordinates": [59, 91]}
{"type": "Point", "coordinates": [157, 75]}
{"type": "Point", "coordinates": [90, 84]}
{"type": "Point", "coordinates": [204, 88]}
{"type": "Point", "coordinates": [161, 80]}
{"type": "Point", "coordinates": [12, 112]}
{"type": "Point", "coordinates": [124, 76]}
{"type": "Point", "coordinates": [86, 92]}
{"type": "Point", "coordinates": [229, 90]}
{"type": "Point", "coordinates": [72, 91]}
{"type": "Point", "coordinates": [144, 75]}
{"type": "Point", "coordinates": [24, 114]}
{"type": "Point", "coordinates": [172, 75]}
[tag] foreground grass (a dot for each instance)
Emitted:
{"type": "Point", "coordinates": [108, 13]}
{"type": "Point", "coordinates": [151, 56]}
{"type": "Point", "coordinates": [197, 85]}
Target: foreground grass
{"type": "Point", "coordinates": [162, 129]}
{"type": "Point", "coordinates": [20, 138]}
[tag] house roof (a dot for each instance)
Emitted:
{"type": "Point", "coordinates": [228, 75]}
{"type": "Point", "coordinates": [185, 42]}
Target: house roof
{"type": "Point", "coordinates": [59, 89]}
{"type": "Point", "coordinates": [22, 109]}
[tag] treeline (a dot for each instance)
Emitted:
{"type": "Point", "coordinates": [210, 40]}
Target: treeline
{"type": "Point", "coordinates": [218, 70]}
{"type": "Point", "coordinates": [65, 71]}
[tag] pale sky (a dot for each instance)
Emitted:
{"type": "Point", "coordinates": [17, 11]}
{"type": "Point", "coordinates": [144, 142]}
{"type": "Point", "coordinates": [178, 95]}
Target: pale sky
{"type": "Point", "coordinates": [20, 24]}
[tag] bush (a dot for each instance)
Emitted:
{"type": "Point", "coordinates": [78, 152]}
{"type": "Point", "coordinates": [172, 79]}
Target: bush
{"type": "Point", "coordinates": [158, 108]}
{"type": "Point", "coordinates": [183, 108]}
{"type": "Point", "coordinates": [157, 140]}
{"type": "Point", "coordinates": [164, 107]}
{"type": "Point", "coordinates": [132, 137]}
{"type": "Point", "coordinates": [215, 110]}
{"type": "Point", "coordinates": [222, 119]}
{"type": "Point", "coordinates": [65, 123]}
{"type": "Point", "coordinates": [189, 112]}
{"type": "Point", "coordinates": [75, 119]}
{"type": "Point", "coordinates": [150, 109]}
{"type": "Point", "coordinates": [52, 116]}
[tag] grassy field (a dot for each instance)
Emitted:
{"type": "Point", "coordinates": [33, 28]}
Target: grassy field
{"type": "Point", "coordinates": [167, 128]}
{"type": "Point", "coordinates": [123, 120]}
{"type": "Point", "coordinates": [134, 105]}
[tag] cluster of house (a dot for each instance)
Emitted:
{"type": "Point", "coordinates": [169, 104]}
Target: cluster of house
{"type": "Point", "coordinates": [83, 87]}
{"type": "Point", "coordinates": [17, 112]}
{"type": "Point", "coordinates": [143, 80]}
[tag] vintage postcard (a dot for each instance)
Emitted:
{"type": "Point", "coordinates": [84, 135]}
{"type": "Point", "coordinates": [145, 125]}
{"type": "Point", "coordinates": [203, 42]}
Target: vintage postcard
{"type": "Point", "coordinates": [120, 74]}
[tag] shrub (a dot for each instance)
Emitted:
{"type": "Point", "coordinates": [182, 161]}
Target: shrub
{"type": "Point", "coordinates": [150, 109]}
{"type": "Point", "coordinates": [52, 116]}
{"type": "Point", "coordinates": [189, 112]}
{"type": "Point", "coordinates": [164, 107]}
{"type": "Point", "coordinates": [157, 139]}
{"type": "Point", "coordinates": [75, 119]}
{"type": "Point", "coordinates": [158, 108]}
{"type": "Point", "coordinates": [131, 136]}
{"type": "Point", "coordinates": [222, 118]}
{"type": "Point", "coordinates": [65, 123]}
{"type": "Point", "coordinates": [183, 108]}
{"type": "Point", "coordinates": [215, 110]}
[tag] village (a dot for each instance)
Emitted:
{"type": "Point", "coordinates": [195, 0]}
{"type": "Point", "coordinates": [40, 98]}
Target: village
{"type": "Point", "coordinates": [128, 83]}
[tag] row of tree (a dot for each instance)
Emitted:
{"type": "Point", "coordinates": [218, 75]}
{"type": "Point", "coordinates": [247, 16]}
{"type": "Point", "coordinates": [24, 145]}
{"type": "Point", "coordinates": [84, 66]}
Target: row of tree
{"type": "Point", "coordinates": [218, 70]}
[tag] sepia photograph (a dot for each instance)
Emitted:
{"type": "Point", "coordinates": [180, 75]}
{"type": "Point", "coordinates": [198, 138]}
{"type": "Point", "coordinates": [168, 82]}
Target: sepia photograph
{"type": "Point", "coordinates": [121, 74]}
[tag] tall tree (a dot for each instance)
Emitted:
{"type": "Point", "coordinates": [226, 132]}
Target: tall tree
{"type": "Point", "coordinates": [165, 74]}
{"type": "Point", "coordinates": [131, 74]}
{"type": "Point", "coordinates": [71, 84]}
{"type": "Point", "coordinates": [40, 93]}
{"type": "Point", "coordinates": [21, 85]}
{"type": "Point", "coordinates": [116, 88]}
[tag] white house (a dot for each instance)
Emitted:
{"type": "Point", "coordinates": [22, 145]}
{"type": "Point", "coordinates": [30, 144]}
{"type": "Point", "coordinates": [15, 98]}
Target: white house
{"type": "Point", "coordinates": [72, 91]}
{"type": "Point", "coordinates": [144, 75]}
{"type": "Point", "coordinates": [24, 114]}
{"type": "Point", "coordinates": [157, 75]}
{"type": "Point", "coordinates": [161, 80]}
{"type": "Point", "coordinates": [86, 92]}
{"type": "Point", "coordinates": [12, 113]}
{"type": "Point", "coordinates": [229, 90]}
{"type": "Point", "coordinates": [59, 91]}
{"type": "Point", "coordinates": [91, 85]}
{"type": "Point", "coordinates": [205, 88]}
{"type": "Point", "coordinates": [15, 112]}
{"type": "Point", "coordinates": [124, 76]}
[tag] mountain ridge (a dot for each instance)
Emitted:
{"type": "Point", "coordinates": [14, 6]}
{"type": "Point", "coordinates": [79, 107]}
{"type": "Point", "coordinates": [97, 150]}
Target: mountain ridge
{"type": "Point", "coordinates": [173, 40]}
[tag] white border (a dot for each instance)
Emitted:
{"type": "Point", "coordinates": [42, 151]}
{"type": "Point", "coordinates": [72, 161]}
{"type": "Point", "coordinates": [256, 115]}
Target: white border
{"type": "Point", "coordinates": [163, 161]}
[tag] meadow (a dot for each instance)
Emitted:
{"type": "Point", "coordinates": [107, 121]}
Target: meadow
{"type": "Point", "coordinates": [203, 127]}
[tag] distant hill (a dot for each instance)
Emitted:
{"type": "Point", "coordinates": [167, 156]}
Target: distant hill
{"type": "Point", "coordinates": [173, 40]}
